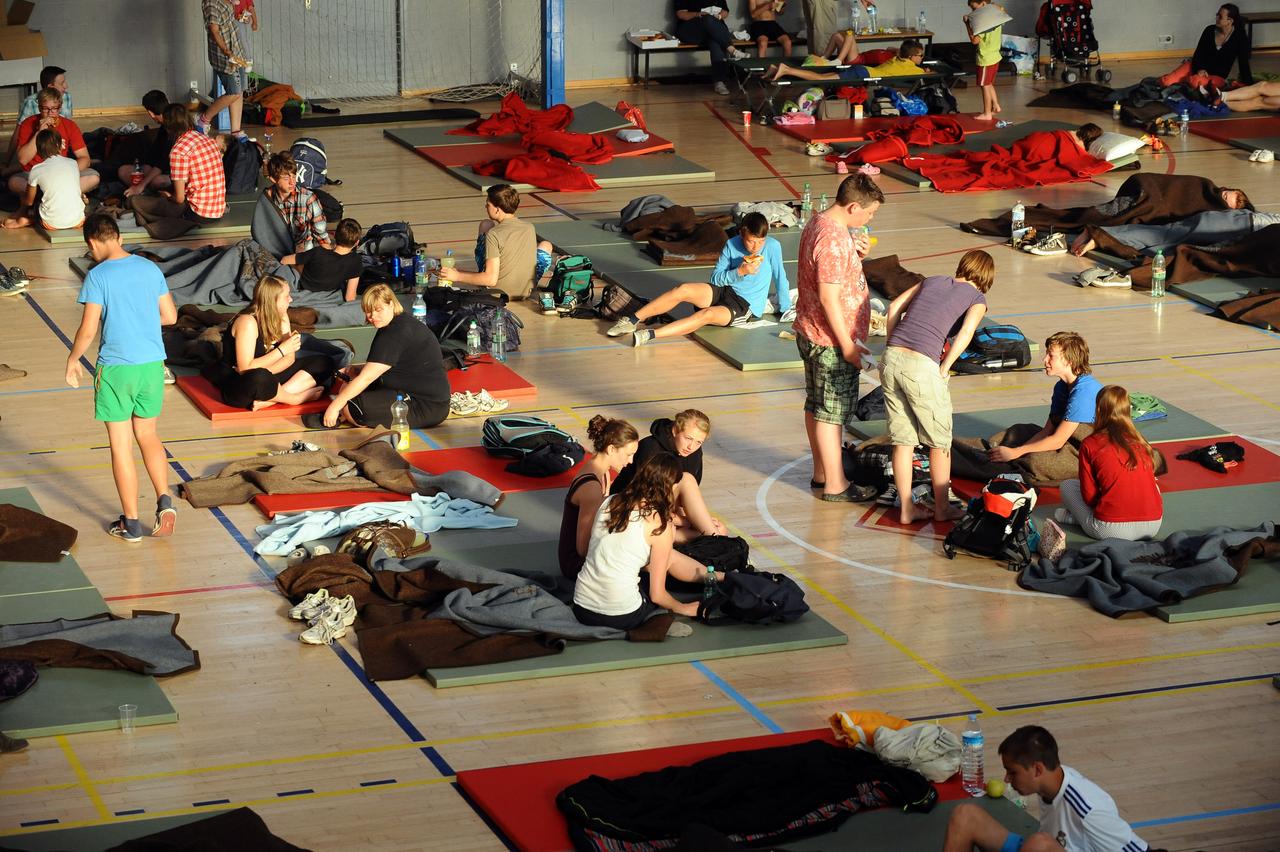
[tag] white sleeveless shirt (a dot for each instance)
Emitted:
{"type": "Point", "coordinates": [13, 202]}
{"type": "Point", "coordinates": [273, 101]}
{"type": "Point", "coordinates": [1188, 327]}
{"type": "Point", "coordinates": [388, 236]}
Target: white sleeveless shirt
{"type": "Point", "coordinates": [609, 582]}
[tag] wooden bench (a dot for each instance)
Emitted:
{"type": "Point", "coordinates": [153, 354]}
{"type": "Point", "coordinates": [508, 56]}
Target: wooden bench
{"type": "Point", "coordinates": [1252, 18]}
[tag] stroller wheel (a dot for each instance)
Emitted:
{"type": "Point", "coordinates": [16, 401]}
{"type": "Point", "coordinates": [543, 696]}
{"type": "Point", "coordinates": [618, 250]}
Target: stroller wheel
{"type": "Point", "coordinates": [1104, 76]}
{"type": "Point", "coordinates": [1069, 76]}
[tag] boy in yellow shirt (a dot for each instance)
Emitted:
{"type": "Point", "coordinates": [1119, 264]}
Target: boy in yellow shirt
{"type": "Point", "coordinates": [906, 63]}
{"type": "Point", "coordinates": [988, 44]}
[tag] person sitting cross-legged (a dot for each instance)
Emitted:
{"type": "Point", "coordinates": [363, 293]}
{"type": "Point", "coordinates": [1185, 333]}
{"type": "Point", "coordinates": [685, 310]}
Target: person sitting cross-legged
{"type": "Point", "coordinates": [58, 178]}
{"type": "Point", "coordinates": [739, 288]}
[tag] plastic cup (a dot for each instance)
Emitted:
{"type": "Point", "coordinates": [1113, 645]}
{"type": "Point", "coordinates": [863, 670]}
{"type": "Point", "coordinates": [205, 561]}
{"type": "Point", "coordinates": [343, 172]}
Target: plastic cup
{"type": "Point", "coordinates": [128, 715]}
{"type": "Point", "coordinates": [857, 112]}
{"type": "Point", "coordinates": [746, 118]}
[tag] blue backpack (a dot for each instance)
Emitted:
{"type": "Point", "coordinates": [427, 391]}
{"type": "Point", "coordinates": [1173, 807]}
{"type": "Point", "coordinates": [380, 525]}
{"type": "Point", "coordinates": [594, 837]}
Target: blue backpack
{"type": "Point", "coordinates": [313, 162]}
{"type": "Point", "coordinates": [995, 348]}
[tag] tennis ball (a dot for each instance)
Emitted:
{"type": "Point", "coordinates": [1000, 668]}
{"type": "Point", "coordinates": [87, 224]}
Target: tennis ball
{"type": "Point", "coordinates": [995, 788]}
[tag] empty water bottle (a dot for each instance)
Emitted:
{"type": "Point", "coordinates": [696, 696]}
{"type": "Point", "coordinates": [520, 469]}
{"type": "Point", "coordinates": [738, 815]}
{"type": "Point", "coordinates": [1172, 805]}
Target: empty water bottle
{"type": "Point", "coordinates": [473, 339]}
{"type": "Point", "coordinates": [1018, 225]}
{"type": "Point", "coordinates": [498, 337]}
{"type": "Point", "coordinates": [400, 422]}
{"type": "Point", "coordinates": [971, 758]}
{"type": "Point", "coordinates": [856, 21]}
{"type": "Point", "coordinates": [1157, 275]}
{"type": "Point", "coordinates": [806, 204]}
{"type": "Point", "coordinates": [872, 26]}
{"type": "Point", "coordinates": [922, 23]}
{"type": "Point", "coordinates": [822, 202]}
{"type": "Point", "coordinates": [420, 269]}
{"type": "Point", "coordinates": [1184, 124]}
{"type": "Point", "coordinates": [420, 308]}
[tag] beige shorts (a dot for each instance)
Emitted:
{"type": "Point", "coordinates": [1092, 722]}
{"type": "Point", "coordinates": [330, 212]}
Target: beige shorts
{"type": "Point", "coordinates": [917, 400]}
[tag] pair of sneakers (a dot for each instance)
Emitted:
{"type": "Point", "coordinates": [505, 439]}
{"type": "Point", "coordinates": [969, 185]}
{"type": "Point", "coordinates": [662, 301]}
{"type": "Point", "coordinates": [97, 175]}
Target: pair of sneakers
{"type": "Point", "coordinates": [130, 529]}
{"type": "Point", "coordinates": [1263, 155]}
{"type": "Point", "coordinates": [329, 617]}
{"type": "Point", "coordinates": [1050, 244]}
{"type": "Point", "coordinates": [1103, 276]}
{"type": "Point", "coordinates": [465, 403]}
{"type": "Point", "coordinates": [13, 281]}
{"type": "Point", "coordinates": [818, 149]}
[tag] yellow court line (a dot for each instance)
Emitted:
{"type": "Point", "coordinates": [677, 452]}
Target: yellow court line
{"type": "Point", "coordinates": [27, 791]}
{"type": "Point", "coordinates": [575, 415]}
{"type": "Point", "coordinates": [1106, 664]}
{"type": "Point", "coordinates": [85, 782]}
{"type": "Point", "coordinates": [859, 693]}
{"type": "Point", "coordinates": [247, 803]}
{"type": "Point", "coordinates": [1220, 383]}
{"type": "Point", "coordinates": [867, 623]}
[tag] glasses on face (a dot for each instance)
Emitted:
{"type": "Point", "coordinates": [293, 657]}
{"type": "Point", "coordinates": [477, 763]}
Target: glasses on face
{"type": "Point", "coordinates": [51, 110]}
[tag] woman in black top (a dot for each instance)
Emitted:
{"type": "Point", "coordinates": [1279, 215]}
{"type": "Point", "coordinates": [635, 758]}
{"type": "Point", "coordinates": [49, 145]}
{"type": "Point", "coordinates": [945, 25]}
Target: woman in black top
{"type": "Point", "coordinates": [404, 360]}
{"type": "Point", "coordinates": [1222, 44]}
{"type": "Point", "coordinates": [261, 364]}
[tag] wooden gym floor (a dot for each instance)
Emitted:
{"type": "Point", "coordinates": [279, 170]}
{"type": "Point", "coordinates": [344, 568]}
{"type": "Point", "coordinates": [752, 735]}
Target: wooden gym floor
{"type": "Point", "coordinates": [1176, 721]}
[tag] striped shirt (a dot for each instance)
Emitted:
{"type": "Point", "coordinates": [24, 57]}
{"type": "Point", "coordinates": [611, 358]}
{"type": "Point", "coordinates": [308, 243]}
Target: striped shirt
{"type": "Point", "coordinates": [196, 159]}
{"type": "Point", "coordinates": [1083, 818]}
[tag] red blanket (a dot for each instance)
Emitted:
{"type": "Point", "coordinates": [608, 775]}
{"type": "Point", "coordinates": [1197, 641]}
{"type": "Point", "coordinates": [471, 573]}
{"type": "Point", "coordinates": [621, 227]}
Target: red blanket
{"type": "Point", "coordinates": [514, 117]}
{"type": "Point", "coordinates": [579, 147]}
{"type": "Point", "coordinates": [540, 169]}
{"type": "Point", "coordinates": [891, 144]}
{"type": "Point", "coordinates": [1038, 159]}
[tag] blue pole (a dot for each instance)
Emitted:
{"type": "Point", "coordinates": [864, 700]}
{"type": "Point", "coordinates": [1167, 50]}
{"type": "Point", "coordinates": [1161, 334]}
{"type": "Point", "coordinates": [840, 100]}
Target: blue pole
{"type": "Point", "coordinates": [552, 52]}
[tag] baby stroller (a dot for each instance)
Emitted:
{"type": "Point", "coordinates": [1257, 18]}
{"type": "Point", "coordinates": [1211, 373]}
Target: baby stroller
{"type": "Point", "coordinates": [1068, 24]}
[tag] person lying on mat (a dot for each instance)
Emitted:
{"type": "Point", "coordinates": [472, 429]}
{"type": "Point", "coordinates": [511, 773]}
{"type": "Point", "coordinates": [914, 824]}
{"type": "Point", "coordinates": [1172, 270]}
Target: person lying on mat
{"type": "Point", "coordinates": [749, 263]}
{"type": "Point", "coordinates": [905, 64]}
{"type": "Point", "coordinates": [297, 205]}
{"type": "Point", "coordinates": [1048, 454]}
{"type": "Point", "coordinates": [914, 375]}
{"type": "Point", "coordinates": [633, 533]}
{"type": "Point", "coordinates": [1116, 495]}
{"type": "Point", "coordinates": [1259, 96]}
{"type": "Point", "coordinates": [682, 438]}
{"type": "Point", "coordinates": [336, 269]}
{"type": "Point", "coordinates": [509, 256]}
{"type": "Point", "coordinates": [1076, 815]}
{"type": "Point", "coordinates": [404, 360]}
{"type": "Point", "coordinates": [613, 444]}
{"type": "Point", "coordinates": [1210, 228]}
{"type": "Point", "coordinates": [261, 362]}
{"type": "Point", "coordinates": [58, 178]}
{"type": "Point", "coordinates": [1222, 44]}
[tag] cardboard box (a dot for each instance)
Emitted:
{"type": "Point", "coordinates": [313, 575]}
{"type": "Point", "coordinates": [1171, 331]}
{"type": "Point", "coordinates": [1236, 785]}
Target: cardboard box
{"type": "Point", "coordinates": [17, 40]}
{"type": "Point", "coordinates": [20, 13]}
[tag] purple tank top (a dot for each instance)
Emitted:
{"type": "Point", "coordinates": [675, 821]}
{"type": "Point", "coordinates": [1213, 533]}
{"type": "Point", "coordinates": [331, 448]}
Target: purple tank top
{"type": "Point", "coordinates": [935, 314]}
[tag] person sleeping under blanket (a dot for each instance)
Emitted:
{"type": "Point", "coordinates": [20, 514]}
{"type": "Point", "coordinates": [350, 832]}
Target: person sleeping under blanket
{"type": "Point", "coordinates": [1210, 228]}
{"type": "Point", "coordinates": [1041, 158]}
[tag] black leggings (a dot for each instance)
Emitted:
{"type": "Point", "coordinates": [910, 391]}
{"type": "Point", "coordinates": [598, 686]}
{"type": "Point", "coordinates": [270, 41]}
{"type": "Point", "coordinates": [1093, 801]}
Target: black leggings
{"type": "Point", "coordinates": [627, 621]}
{"type": "Point", "coordinates": [373, 408]}
{"type": "Point", "coordinates": [242, 390]}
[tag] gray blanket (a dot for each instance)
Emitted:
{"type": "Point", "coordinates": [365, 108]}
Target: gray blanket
{"type": "Point", "coordinates": [149, 637]}
{"type": "Point", "coordinates": [1126, 576]}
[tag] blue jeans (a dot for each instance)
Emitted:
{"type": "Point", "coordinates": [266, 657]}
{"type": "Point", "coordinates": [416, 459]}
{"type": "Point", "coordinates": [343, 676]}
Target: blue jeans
{"type": "Point", "coordinates": [712, 33]}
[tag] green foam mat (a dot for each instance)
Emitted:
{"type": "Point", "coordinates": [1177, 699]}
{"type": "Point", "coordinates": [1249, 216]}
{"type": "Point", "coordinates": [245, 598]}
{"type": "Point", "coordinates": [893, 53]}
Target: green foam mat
{"type": "Point", "coordinates": [235, 222]}
{"type": "Point", "coordinates": [359, 336]}
{"type": "Point", "coordinates": [432, 136]}
{"type": "Point", "coordinates": [751, 349]}
{"type": "Point", "coordinates": [539, 515]}
{"type": "Point", "coordinates": [74, 701]}
{"type": "Point", "coordinates": [539, 558]}
{"type": "Point", "coordinates": [80, 265]}
{"type": "Point", "coordinates": [1212, 292]}
{"type": "Point", "coordinates": [900, 172]}
{"type": "Point", "coordinates": [595, 117]}
{"type": "Point", "coordinates": [621, 171]}
{"type": "Point", "coordinates": [706, 643]}
{"type": "Point", "coordinates": [21, 579]}
{"type": "Point", "coordinates": [99, 838]}
{"type": "Point", "coordinates": [581, 233]}
{"type": "Point", "coordinates": [1178, 426]}
{"type": "Point", "coordinates": [50, 606]}
{"type": "Point", "coordinates": [890, 830]}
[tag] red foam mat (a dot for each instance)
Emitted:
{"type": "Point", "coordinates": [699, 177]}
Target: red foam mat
{"type": "Point", "coordinates": [208, 399]}
{"type": "Point", "coordinates": [855, 130]}
{"type": "Point", "coordinates": [453, 156]}
{"type": "Point", "coordinates": [1227, 130]}
{"type": "Point", "coordinates": [498, 379]}
{"type": "Point", "coordinates": [473, 460]}
{"type": "Point", "coordinates": [520, 799]}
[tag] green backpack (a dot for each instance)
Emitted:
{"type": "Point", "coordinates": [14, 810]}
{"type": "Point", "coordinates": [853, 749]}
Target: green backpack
{"type": "Point", "coordinates": [572, 277]}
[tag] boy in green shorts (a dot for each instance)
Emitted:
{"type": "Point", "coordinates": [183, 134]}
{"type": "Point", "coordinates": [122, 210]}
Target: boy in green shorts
{"type": "Point", "coordinates": [128, 296]}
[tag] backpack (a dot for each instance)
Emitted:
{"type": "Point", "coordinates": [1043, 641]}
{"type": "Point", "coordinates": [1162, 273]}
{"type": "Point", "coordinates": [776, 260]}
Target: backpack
{"type": "Point", "coordinates": [722, 552]}
{"type": "Point", "coordinates": [514, 436]}
{"type": "Point", "coordinates": [615, 303]}
{"type": "Point", "coordinates": [331, 206]}
{"type": "Point", "coordinates": [242, 164]}
{"type": "Point", "coordinates": [997, 525]}
{"type": "Point", "coordinates": [938, 99]}
{"type": "Point", "coordinates": [572, 275]}
{"type": "Point", "coordinates": [386, 240]}
{"type": "Point", "coordinates": [550, 459]}
{"type": "Point", "coordinates": [758, 598]}
{"type": "Point", "coordinates": [313, 162]}
{"type": "Point", "coordinates": [484, 314]}
{"type": "Point", "coordinates": [995, 348]}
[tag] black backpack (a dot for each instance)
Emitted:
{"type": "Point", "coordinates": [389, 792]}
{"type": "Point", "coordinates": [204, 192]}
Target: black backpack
{"type": "Point", "coordinates": [938, 99]}
{"type": "Point", "coordinates": [722, 552]}
{"type": "Point", "coordinates": [995, 348]}
{"type": "Point", "coordinates": [331, 206]}
{"type": "Point", "coordinates": [996, 525]}
{"type": "Point", "coordinates": [758, 598]}
{"type": "Point", "coordinates": [242, 164]}
{"type": "Point", "coordinates": [550, 459]}
{"type": "Point", "coordinates": [515, 436]}
{"type": "Point", "coordinates": [485, 314]}
{"type": "Point", "coordinates": [386, 240]}
{"type": "Point", "coordinates": [616, 302]}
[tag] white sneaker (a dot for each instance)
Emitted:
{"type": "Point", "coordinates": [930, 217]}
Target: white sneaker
{"type": "Point", "coordinates": [328, 627]}
{"type": "Point", "coordinates": [641, 336]}
{"type": "Point", "coordinates": [1054, 243]}
{"type": "Point", "coordinates": [818, 149]}
{"type": "Point", "coordinates": [341, 608]}
{"type": "Point", "coordinates": [486, 404]}
{"type": "Point", "coordinates": [1253, 157]}
{"type": "Point", "coordinates": [1266, 155]}
{"type": "Point", "coordinates": [169, 377]}
{"type": "Point", "coordinates": [310, 606]}
{"type": "Point", "coordinates": [621, 327]}
{"type": "Point", "coordinates": [735, 53]}
{"type": "Point", "coordinates": [463, 404]}
{"type": "Point", "coordinates": [721, 88]}
{"type": "Point", "coordinates": [1113, 278]}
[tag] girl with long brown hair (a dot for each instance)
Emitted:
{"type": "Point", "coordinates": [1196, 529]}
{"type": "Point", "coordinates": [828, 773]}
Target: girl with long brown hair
{"type": "Point", "coordinates": [633, 532]}
{"type": "Point", "coordinates": [613, 444]}
{"type": "Point", "coordinates": [1116, 495]}
{"type": "Point", "coordinates": [261, 364]}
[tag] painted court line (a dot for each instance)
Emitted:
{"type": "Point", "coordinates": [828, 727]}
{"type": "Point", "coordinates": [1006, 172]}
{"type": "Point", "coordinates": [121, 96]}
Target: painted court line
{"type": "Point", "coordinates": [1270, 806]}
{"type": "Point", "coordinates": [738, 698]}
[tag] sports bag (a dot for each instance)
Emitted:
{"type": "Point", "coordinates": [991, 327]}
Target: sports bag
{"type": "Point", "coordinates": [997, 525]}
{"type": "Point", "coordinates": [758, 598]}
{"type": "Point", "coordinates": [995, 348]}
{"type": "Point", "coordinates": [485, 315]}
{"type": "Point", "coordinates": [515, 436]}
{"type": "Point", "coordinates": [331, 206]}
{"type": "Point", "coordinates": [615, 303]}
{"type": "Point", "coordinates": [572, 275]}
{"type": "Point", "coordinates": [550, 459]}
{"type": "Point", "coordinates": [313, 162]}
{"type": "Point", "coordinates": [722, 552]}
{"type": "Point", "coordinates": [242, 164]}
{"type": "Point", "coordinates": [386, 240]}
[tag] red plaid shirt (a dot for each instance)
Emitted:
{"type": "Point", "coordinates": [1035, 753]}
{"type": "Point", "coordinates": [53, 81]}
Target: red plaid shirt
{"type": "Point", "coordinates": [303, 214]}
{"type": "Point", "coordinates": [197, 159]}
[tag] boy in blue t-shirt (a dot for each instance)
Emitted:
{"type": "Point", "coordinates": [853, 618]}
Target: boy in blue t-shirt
{"type": "Point", "coordinates": [738, 291]}
{"type": "Point", "coordinates": [128, 297]}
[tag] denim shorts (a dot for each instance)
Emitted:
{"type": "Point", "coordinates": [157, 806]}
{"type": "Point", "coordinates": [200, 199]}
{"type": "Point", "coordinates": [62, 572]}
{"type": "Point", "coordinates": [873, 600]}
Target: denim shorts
{"type": "Point", "coordinates": [233, 82]}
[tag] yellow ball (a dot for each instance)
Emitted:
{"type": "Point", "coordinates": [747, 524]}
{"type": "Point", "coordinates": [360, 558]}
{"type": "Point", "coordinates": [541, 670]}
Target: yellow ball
{"type": "Point", "coordinates": [995, 788]}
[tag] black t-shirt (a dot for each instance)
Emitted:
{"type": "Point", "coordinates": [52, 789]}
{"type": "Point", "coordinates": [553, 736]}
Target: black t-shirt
{"type": "Point", "coordinates": [157, 153]}
{"type": "Point", "coordinates": [325, 270]}
{"type": "Point", "coordinates": [694, 5]}
{"type": "Point", "coordinates": [413, 353]}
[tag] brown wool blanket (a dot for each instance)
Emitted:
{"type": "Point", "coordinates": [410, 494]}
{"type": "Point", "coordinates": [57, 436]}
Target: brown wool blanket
{"type": "Point", "coordinates": [27, 536]}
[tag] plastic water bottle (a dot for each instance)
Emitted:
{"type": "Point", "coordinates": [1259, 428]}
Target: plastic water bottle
{"type": "Point", "coordinates": [1115, 110]}
{"type": "Point", "coordinates": [822, 201]}
{"type": "Point", "coordinates": [420, 269]}
{"type": "Point", "coordinates": [806, 205]}
{"type": "Point", "coordinates": [922, 23]}
{"type": "Point", "coordinates": [136, 177]}
{"type": "Point", "coordinates": [709, 584]}
{"type": "Point", "coordinates": [400, 422]}
{"type": "Point", "coordinates": [1184, 124]}
{"type": "Point", "coordinates": [1018, 227]}
{"type": "Point", "coordinates": [473, 339]}
{"type": "Point", "coordinates": [447, 264]}
{"type": "Point", "coordinates": [420, 308]}
{"type": "Point", "coordinates": [1157, 275]}
{"type": "Point", "coordinates": [872, 26]}
{"type": "Point", "coordinates": [971, 760]}
{"type": "Point", "coordinates": [856, 22]}
{"type": "Point", "coordinates": [498, 337]}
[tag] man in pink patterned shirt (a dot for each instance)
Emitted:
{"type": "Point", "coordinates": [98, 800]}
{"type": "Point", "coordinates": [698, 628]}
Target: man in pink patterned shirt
{"type": "Point", "coordinates": [832, 319]}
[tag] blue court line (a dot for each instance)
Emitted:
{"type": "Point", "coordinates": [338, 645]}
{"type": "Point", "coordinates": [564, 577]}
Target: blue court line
{"type": "Point", "coordinates": [377, 783]}
{"type": "Point", "coordinates": [35, 822]}
{"type": "Point", "coordinates": [427, 439]}
{"type": "Point", "coordinates": [1148, 691]}
{"type": "Point", "coordinates": [738, 698]}
{"type": "Point", "coordinates": [133, 812]}
{"type": "Point", "coordinates": [35, 306]}
{"type": "Point", "coordinates": [601, 346]}
{"type": "Point", "coordinates": [210, 802]}
{"type": "Point", "coordinates": [295, 792]}
{"type": "Point", "coordinates": [45, 390]}
{"type": "Point", "coordinates": [1271, 806]}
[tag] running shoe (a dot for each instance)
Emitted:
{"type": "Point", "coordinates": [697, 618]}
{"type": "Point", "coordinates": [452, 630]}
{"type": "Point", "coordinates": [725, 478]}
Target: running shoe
{"type": "Point", "coordinates": [625, 325]}
{"type": "Point", "coordinates": [1054, 243]}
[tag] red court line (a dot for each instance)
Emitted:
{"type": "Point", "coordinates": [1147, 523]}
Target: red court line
{"type": "Point", "coordinates": [945, 253]}
{"type": "Point", "coordinates": [755, 151]}
{"type": "Point", "coordinates": [190, 591]}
